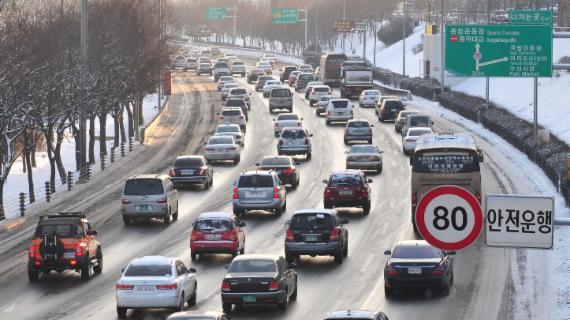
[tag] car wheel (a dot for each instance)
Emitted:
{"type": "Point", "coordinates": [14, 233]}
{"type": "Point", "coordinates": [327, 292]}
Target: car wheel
{"type": "Point", "coordinates": [327, 205]}
{"type": "Point", "coordinates": [182, 304]}
{"type": "Point", "coordinates": [317, 113]}
{"type": "Point", "coordinates": [370, 141]}
{"type": "Point", "coordinates": [345, 250]}
{"type": "Point", "coordinates": [451, 279]}
{"type": "Point", "coordinates": [121, 312]}
{"type": "Point", "coordinates": [99, 267]}
{"type": "Point", "coordinates": [33, 273]}
{"type": "Point", "coordinates": [388, 292]}
{"type": "Point", "coordinates": [328, 122]}
{"type": "Point", "coordinates": [192, 301]}
{"type": "Point", "coordinates": [309, 156]}
{"type": "Point", "coordinates": [290, 257]}
{"type": "Point", "coordinates": [194, 256]}
{"type": "Point", "coordinates": [87, 270]}
{"type": "Point", "coordinates": [227, 307]}
{"type": "Point", "coordinates": [338, 258]}
{"type": "Point", "coordinates": [175, 214]}
{"type": "Point", "coordinates": [167, 218]}
{"type": "Point", "coordinates": [283, 305]}
{"type": "Point", "coordinates": [366, 208]}
{"type": "Point", "coordinates": [126, 220]}
{"type": "Point", "coordinates": [296, 184]}
{"type": "Point", "coordinates": [445, 289]}
{"type": "Point", "coordinates": [276, 134]}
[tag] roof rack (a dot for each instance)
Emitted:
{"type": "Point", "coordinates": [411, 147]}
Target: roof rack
{"type": "Point", "coordinates": [73, 214]}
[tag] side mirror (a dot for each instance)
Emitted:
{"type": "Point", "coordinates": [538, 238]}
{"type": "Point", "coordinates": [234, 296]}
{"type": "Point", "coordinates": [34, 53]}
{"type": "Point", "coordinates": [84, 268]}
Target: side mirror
{"type": "Point", "coordinates": [191, 270]}
{"type": "Point", "coordinates": [122, 270]}
{"type": "Point", "coordinates": [344, 221]}
{"type": "Point", "coordinates": [310, 135]}
{"type": "Point", "coordinates": [346, 152]}
{"type": "Point", "coordinates": [372, 126]}
{"type": "Point", "coordinates": [369, 180]}
{"type": "Point", "coordinates": [293, 265]}
{"type": "Point", "coordinates": [325, 181]}
{"type": "Point", "coordinates": [242, 224]}
{"type": "Point", "coordinates": [388, 252]}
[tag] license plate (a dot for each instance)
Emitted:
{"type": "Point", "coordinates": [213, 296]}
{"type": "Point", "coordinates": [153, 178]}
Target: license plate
{"type": "Point", "coordinates": [145, 288]}
{"type": "Point", "coordinates": [249, 299]}
{"type": "Point", "coordinates": [299, 143]}
{"type": "Point", "coordinates": [414, 270]}
{"type": "Point", "coordinates": [254, 194]}
{"type": "Point", "coordinates": [345, 192]}
{"type": "Point", "coordinates": [340, 113]}
{"type": "Point", "coordinates": [186, 172]}
{"type": "Point", "coordinates": [69, 255]}
{"type": "Point", "coordinates": [212, 236]}
{"type": "Point", "coordinates": [144, 207]}
{"type": "Point", "coordinates": [312, 237]}
{"type": "Point", "coordinates": [393, 110]}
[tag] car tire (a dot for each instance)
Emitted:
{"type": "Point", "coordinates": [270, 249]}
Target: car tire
{"type": "Point", "coordinates": [193, 256]}
{"type": "Point", "coordinates": [327, 205]}
{"type": "Point", "coordinates": [338, 258]}
{"type": "Point", "coordinates": [33, 273]}
{"type": "Point", "coordinates": [345, 249]}
{"type": "Point", "coordinates": [182, 304]}
{"type": "Point", "coordinates": [127, 220]}
{"type": "Point", "coordinates": [175, 214]}
{"type": "Point", "coordinates": [345, 142]}
{"type": "Point", "coordinates": [370, 141]}
{"type": "Point", "coordinates": [328, 122]}
{"type": "Point", "coordinates": [309, 156]}
{"type": "Point", "coordinates": [379, 170]}
{"type": "Point", "coordinates": [366, 208]}
{"type": "Point", "coordinates": [167, 217]}
{"type": "Point", "coordinates": [194, 297]}
{"type": "Point", "coordinates": [290, 258]}
{"type": "Point", "coordinates": [99, 267]}
{"type": "Point", "coordinates": [121, 312]}
{"type": "Point", "coordinates": [388, 292]}
{"type": "Point", "coordinates": [87, 270]}
{"type": "Point", "coordinates": [294, 294]}
{"type": "Point", "coordinates": [283, 305]}
{"type": "Point", "coordinates": [276, 134]}
{"type": "Point", "coordinates": [416, 231]}
{"type": "Point", "coordinates": [227, 307]}
{"type": "Point", "coordinates": [296, 185]}
{"type": "Point", "coordinates": [317, 113]}
{"type": "Point", "coordinates": [444, 290]}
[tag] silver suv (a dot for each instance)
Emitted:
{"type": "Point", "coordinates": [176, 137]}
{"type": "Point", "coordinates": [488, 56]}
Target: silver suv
{"type": "Point", "coordinates": [293, 141]}
{"type": "Point", "coordinates": [149, 196]}
{"type": "Point", "coordinates": [259, 190]}
{"type": "Point", "coordinates": [358, 130]}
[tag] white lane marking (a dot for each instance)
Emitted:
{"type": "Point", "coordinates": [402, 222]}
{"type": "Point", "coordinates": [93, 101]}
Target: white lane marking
{"type": "Point", "coordinates": [367, 263]}
{"type": "Point", "coordinates": [8, 309]}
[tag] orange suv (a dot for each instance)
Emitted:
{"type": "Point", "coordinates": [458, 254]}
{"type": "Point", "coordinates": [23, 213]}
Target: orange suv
{"type": "Point", "coordinates": [64, 241]}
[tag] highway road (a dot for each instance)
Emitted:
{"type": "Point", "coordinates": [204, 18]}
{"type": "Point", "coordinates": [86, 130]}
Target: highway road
{"type": "Point", "coordinates": [483, 285]}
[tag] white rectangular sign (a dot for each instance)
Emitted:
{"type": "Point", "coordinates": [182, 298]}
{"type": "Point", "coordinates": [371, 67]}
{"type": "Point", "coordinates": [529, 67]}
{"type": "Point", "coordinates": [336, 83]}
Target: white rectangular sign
{"type": "Point", "coordinates": [519, 221]}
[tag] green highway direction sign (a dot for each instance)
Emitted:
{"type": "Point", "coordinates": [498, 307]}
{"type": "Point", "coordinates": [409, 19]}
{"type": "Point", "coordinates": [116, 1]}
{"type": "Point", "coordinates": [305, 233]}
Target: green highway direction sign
{"type": "Point", "coordinates": [215, 13]}
{"type": "Point", "coordinates": [530, 17]}
{"type": "Point", "coordinates": [284, 15]}
{"type": "Point", "coordinates": [498, 50]}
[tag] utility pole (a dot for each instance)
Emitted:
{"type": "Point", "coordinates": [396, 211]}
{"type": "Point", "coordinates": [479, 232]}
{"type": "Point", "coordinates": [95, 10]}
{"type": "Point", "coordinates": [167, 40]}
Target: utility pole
{"type": "Point", "coordinates": [404, 39]}
{"type": "Point", "coordinates": [306, 19]}
{"type": "Point", "coordinates": [442, 36]}
{"type": "Point", "coordinates": [487, 78]}
{"type": "Point", "coordinates": [83, 83]}
{"type": "Point", "coordinates": [235, 25]}
{"type": "Point", "coordinates": [344, 19]}
{"type": "Point", "coordinates": [316, 24]}
{"type": "Point", "coordinates": [160, 39]}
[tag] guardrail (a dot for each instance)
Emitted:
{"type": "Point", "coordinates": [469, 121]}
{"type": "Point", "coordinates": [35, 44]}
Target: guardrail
{"type": "Point", "coordinates": [225, 46]}
{"type": "Point", "coordinates": [388, 90]}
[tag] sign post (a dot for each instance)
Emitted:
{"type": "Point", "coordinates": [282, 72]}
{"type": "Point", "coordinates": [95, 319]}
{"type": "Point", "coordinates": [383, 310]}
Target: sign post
{"type": "Point", "coordinates": [449, 218]}
{"type": "Point", "coordinates": [519, 221]}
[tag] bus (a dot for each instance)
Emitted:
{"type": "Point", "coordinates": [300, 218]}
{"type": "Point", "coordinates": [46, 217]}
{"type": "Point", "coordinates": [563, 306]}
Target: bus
{"type": "Point", "coordinates": [445, 160]}
{"type": "Point", "coordinates": [329, 68]}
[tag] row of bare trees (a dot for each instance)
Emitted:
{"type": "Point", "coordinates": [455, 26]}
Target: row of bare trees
{"type": "Point", "coordinates": [40, 73]}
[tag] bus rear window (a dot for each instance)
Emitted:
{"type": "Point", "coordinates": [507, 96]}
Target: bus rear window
{"type": "Point", "coordinates": [457, 162]}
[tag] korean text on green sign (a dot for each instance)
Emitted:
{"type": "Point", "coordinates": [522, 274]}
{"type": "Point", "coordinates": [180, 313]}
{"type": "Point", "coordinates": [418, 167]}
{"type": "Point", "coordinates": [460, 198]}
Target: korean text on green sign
{"type": "Point", "coordinates": [498, 50]}
{"type": "Point", "coordinates": [215, 13]}
{"type": "Point", "coordinates": [285, 15]}
{"type": "Point", "coordinates": [530, 17]}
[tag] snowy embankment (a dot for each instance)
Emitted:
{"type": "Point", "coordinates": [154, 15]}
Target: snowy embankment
{"type": "Point", "coordinates": [17, 181]}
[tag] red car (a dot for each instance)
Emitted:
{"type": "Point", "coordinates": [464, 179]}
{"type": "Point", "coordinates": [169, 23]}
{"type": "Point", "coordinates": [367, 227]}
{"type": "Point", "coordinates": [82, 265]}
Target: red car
{"type": "Point", "coordinates": [347, 188]}
{"type": "Point", "coordinates": [217, 232]}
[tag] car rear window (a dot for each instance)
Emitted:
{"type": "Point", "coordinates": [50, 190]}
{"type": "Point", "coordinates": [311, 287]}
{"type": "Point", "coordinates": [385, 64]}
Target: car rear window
{"type": "Point", "coordinates": [191, 60]}
{"type": "Point", "coordinates": [231, 112]}
{"type": "Point", "coordinates": [204, 65]}
{"type": "Point", "coordinates": [220, 140]}
{"type": "Point", "coordinates": [295, 73]}
{"type": "Point", "coordinates": [287, 117]}
{"type": "Point", "coordinates": [321, 89]}
{"type": "Point", "coordinates": [188, 162]}
{"type": "Point", "coordinates": [229, 86]}
{"type": "Point", "coordinates": [363, 149]}
{"type": "Point", "coordinates": [340, 104]}
{"type": "Point", "coordinates": [309, 221]}
{"type": "Point", "coordinates": [213, 225]}
{"type": "Point", "coordinates": [290, 134]}
{"type": "Point", "coordinates": [140, 187]}
{"type": "Point", "coordinates": [221, 65]}
{"type": "Point", "coordinates": [238, 91]}
{"type": "Point", "coordinates": [252, 266]}
{"type": "Point", "coordinates": [393, 104]}
{"type": "Point", "coordinates": [344, 180]}
{"type": "Point", "coordinates": [275, 161]}
{"type": "Point", "coordinates": [226, 79]}
{"type": "Point", "coordinates": [280, 93]}
{"type": "Point", "coordinates": [59, 229]}
{"type": "Point", "coordinates": [235, 103]}
{"type": "Point", "coordinates": [417, 133]}
{"type": "Point", "coordinates": [305, 76]}
{"type": "Point", "coordinates": [371, 93]}
{"type": "Point", "coordinates": [149, 270]}
{"type": "Point", "coordinates": [419, 121]}
{"type": "Point", "coordinates": [227, 129]}
{"type": "Point", "coordinates": [415, 252]}
{"type": "Point", "coordinates": [255, 181]}
{"type": "Point", "coordinates": [358, 124]}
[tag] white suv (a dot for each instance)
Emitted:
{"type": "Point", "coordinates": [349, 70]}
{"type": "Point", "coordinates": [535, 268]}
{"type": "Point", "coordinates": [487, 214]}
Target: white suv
{"type": "Point", "coordinates": [237, 67]}
{"type": "Point", "coordinates": [232, 115]}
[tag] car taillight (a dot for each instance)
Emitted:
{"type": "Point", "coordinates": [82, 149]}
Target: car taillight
{"type": "Point", "coordinates": [230, 235]}
{"type": "Point", "coordinates": [161, 200]}
{"type": "Point", "coordinates": [276, 193]}
{"type": "Point", "coordinates": [241, 117]}
{"type": "Point", "coordinates": [392, 271]}
{"type": "Point", "coordinates": [328, 192]}
{"type": "Point", "coordinates": [438, 271]}
{"type": "Point", "coordinates": [196, 235]}
{"type": "Point", "coordinates": [208, 149]}
{"type": "Point", "coordinates": [226, 286]}
{"type": "Point", "coordinates": [289, 235]}
{"type": "Point", "coordinates": [298, 123]}
{"type": "Point", "coordinates": [121, 286]}
{"type": "Point", "coordinates": [334, 234]}
{"type": "Point", "coordinates": [172, 286]}
{"type": "Point", "coordinates": [274, 285]}
{"type": "Point", "coordinates": [32, 252]}
{"type": "Point", "coordinates": [414, 199]}
{"type": "Point", "coordinates": [306, 141]}
{"type": "Point", "coordinates": [288, 171]}
{"type": "Point", "coordinates": [236, 194]}
{"type": "Point", "coordinates": [172, 173]}
{"type": "Point", "coordinates": [363, 192]}
{"type": "Point", "coordinates": [125, 201]}
{"type": "Point", "coordinates": [79, 250]}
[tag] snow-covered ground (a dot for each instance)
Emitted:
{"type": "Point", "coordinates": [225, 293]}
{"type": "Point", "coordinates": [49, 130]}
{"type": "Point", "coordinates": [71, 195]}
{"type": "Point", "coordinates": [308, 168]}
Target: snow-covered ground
{"type": "Point", "coordinates": [18, 181]}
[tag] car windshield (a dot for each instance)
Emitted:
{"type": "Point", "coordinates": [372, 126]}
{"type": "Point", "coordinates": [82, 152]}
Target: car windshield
{"type": "Point", "coordinates": [290, 134]}
{"type": "Point", "coordinates": [371, 93]}
{"type": "Point", "coordinates": [140, 187]}
{"type": "Point", "coordinates": [340, 104]}
{"type": "Point", "coordinates": [59, 229]}
{"type": "Point", "coordinates": [227, 129]}
{"type": "Point", "coordinates": [344, 180]}
{"type": "Point", "coordinates": [211, 224]}
{"type": "Point", "coordinates": [287, 117]}
{"type": "Point", "coordinates": [280, 93]}
{"type": "Point", "coordinates": [188, 162]}
{"type": "Point", "coordinates": [311, 221]}
{"type": "Point", "coordinates": [358, 124]}
{"type": "Point", "coordinates": [277, 161]}
{"type": "Point", "coordinates": [363, 149]}
{"type": "Point", "coordinates": [220, 140]}
{"type": "Point", "coordinates": [149, 270]}
{"type": "Point", "coordinates": [242, 266]}
{"type": "Point", "coordinates": [255, 181]}
{"type": "Point", "coordinates": [415, 252]}
{"type": "Point", "coordinates": [238, 91]}
{"type": "Point", "coordinates": [417, 133]}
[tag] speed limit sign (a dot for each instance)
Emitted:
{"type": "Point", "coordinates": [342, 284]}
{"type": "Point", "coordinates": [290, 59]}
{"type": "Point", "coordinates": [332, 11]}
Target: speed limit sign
{"type": "Point", "coordinates": [449, 218]}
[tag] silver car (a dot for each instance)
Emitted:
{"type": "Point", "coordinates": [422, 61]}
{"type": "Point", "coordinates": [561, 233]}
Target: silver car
{"type": "Point", "coordinates": [369, 98]}
{"type": "Point", "coordinates": [284, 120]}
{"type": "Point", "coordinates": [401, 119]}
{"type": "Point", "coordinates": [231, 130]}
{"type": "Point", "coordinates": [227, 88]}
{"type": "Point", "coordinates": [294, 141]}
{"type": "Point", "coordinates": [259, 190]}
{"type": "Point", "coordinates": [339, 110]}
{"type": "Point", "coordinates": [149, 196]}
{"type": "Point", "coordinates": [222, 148]}
{"type": "Point", "coordinates": [358, 130]}
{"type": "Point", "coordinates": [322, 104]}
{"type": "Point", "coordinates": [233, 115]}
{"type": "Point", "coordinates": [270, 85]}
{"type": "Point", "coordinates": [156, 282]}
{"type": "Point", "coordinates": [223, 80]}
{"type": "Point", "coordinates": [410, 140]}
{"type": "Point", "coordinates": [364, 157]}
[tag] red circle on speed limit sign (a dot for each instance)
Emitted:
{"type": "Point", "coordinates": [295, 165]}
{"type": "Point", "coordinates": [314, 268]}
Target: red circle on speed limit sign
{"type": "Point", "coordinates": [449, 218]}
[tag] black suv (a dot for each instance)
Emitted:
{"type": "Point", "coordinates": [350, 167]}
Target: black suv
{"type": "Point", "coordinates": [188, 170]}
{"type": "Point", "coordinates": [316, 232]}
{"type": "Point", "coordinates": [286, 73]}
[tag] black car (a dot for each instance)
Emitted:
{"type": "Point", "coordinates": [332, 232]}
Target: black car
{"type": "Point", "coordinates": [188, 170]}
{"type": "Point", "coordinates": [241, 103]}
{"type": "Point", "coordinates": [316, 232]}
{"type": "Point", "coordinates": [259, 279]}
{"type": "Point", "coordinates": [286, 73]}
{"type": "Point", "coordinates": [389, 109]}
{"type": "Point", "coordinates": [254, 74]}
{"type": "Point", "coordinates": [285, 168]}
{"type": "Point", "coordinates": [417, 264]}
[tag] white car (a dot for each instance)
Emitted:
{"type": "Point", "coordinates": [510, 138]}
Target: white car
{"type": "Point", "coordinates": [240, 93]}
{"type": "Point", "coordinates": [156, 282]}
{"type": "Point", "coordinates": [369, 98]}
{"type": "Point", "coordinates": [411, 138]}
{"type": "Point", "coordinates": [232, 115]}
{"type": "Point", "coordinates": [270, 85]}
{"type": "Point", "coordinates": [231, 130]}
{"type": "Point", "coordinates": [284, 120]}
{"type": "Point", "coordinates": [190, 64]}
{"type": "Point", "coordinates": [227, 88]}
{"type": "Point", "coordinates": [237, 67]}
{"type": "Point", "coordinates": [265, 66]}
{"type": "Point", "coordinates": [222, 148]}
{"type": "Point", "coordinates": [317, 92]}
{"type": "Point", "coordinates": [339, 110]}
{"type": "Point", "coordinates": [223, 80]}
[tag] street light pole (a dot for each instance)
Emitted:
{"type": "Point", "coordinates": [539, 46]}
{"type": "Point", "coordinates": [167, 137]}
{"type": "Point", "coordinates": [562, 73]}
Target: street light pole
{"type": "Point", "coordinates": [442, 36]}
{"type": "Point", "coordinates": [404, 40]}
{"type": "Point", "coordinates": [487, 78]}
{"type": "Point", "coordinates": [83, 83]}
{"type": "Point", "coordinates": [316, 24]}
{"type": "Point", "coordinates": [344, 19]}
